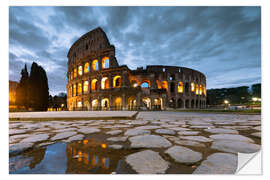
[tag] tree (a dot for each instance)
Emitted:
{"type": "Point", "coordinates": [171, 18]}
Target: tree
{"type": "Point", "coordinates": [256, 90]}
{"type": "Point", "coordinates": [22, 89]}
{"type": "Point", "coordinates": [38, 88]}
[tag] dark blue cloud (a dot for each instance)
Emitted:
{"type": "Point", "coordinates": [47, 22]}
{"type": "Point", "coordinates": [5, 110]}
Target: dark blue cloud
{"type": "Point", "coordinates": [222, 42]}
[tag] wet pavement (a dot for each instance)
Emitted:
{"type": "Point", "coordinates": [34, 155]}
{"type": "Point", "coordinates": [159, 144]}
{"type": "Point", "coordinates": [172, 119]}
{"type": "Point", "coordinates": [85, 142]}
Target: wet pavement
{"type": "Point", "coordinates": [154, 142]}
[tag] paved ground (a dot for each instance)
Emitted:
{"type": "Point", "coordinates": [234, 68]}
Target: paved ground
{"type": "Point", "coordinates": [71, 115]}
{"type": "Point", "coordinates": [206, 143]}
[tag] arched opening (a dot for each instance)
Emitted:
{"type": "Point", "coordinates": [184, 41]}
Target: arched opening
{"type": "Point", "coordinates": [197, 89]}
{"type": "Point", "coordinates": [85, 86]}
{"type": "Point", "coordinates": [180, 87]}
{"type": "Point", "coordinates": [145, 85]}
{"type": "Point", "coordinates": [94, 85]}
{"type": "Point", "coordinates": [118, 103]}
{"type": "Point", "coordinates": [105, 62]}
{"type": "Point", "coordinates": [117, 81]}
{"type": "Point", "coordinates": [74, 89]}
{"type": "Point", "coordinates": [95, 65]}
{"type": "Point", "coordinates": [80, 70]}
{"type": "Point", "coordinates": [186, 88]}
{"type": "Point", "coordinates": [134, 83]}
{"type": "Point", "coordinates": [104, 83]}
{"type": "Point", "coordinates": [180, 103]}
{"type": "Point", "coordinates": [71, 76]}
{"type": "Point", "coordinates": [131, 103]}
{"type": "Point", "coordinates": [158, 103]}
{"type": "Point", "coordinates": [204, 90]}
{"type": "Point", "coordinates": [187, 103]}
{"type": "Point", "coordinates": [86, 67]}
{"type": "Point", "coordinates": [172, 103]}
{"type": "Point", "coordinates": [172, 87]}
{"type": "Point", "coordinates": [147, 102]}
{"type": "Point", "coordinates": [79, 104]}
{"type": "Point", "coordinates": [105, 104]}
{"type": "Point", "coordinates": [75, 73]}
{"type": "Point", "coordinates": [192, 103]}
{"type": "Point", "coordinates": [200, 90]}
{"type": "Point", "coordinates": [197, 104]}
{"type": "Point", "coordinates": [95, 104]}
{"type": "Point", "coordinates": [192, 85]}
{"type": "Point", "coordinates": [79, 88]}
{"type": "Point", "coordinates": [164, 85]}
{"type": "Point", "coordinates": [172, 77]}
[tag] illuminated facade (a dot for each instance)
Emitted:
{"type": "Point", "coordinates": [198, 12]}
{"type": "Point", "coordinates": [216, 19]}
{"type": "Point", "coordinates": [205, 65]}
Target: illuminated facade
{"type": "Point", "coordinates": [97, 82]}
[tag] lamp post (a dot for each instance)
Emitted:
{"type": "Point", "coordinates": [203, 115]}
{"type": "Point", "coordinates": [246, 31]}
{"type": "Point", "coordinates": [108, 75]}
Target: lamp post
{"type": "Point", "coordinates": [226, 102]}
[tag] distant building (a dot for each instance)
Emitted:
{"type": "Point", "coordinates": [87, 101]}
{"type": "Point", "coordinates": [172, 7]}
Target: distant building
{"type": "Point", "coordinates": [97, 82]}
{"type": "Point", "coordinates": [12, 94]}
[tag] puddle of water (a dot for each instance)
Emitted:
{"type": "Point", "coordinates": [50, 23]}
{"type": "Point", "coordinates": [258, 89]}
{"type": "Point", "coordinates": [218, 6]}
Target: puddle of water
{"type": "Point", "coordinates": [89, 156]}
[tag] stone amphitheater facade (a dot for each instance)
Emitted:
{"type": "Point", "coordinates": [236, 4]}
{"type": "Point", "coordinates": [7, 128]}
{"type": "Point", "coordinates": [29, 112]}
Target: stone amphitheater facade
{"type": "Point", "coordinates": [97, 82]}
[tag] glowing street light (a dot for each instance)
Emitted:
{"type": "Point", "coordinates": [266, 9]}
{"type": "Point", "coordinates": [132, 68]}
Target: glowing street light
{"type": "Point", "coordinates": [226, 102]}
{"type": "Point", "coordinates": [254, 99]}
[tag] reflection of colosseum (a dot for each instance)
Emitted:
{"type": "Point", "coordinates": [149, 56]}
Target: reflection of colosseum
{"type": "Point", "coordinates": [97, 82]}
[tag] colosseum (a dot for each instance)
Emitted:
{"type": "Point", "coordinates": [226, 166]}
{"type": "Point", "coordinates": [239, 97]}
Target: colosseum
{"type": "Point", "coordinates": [97, 82]}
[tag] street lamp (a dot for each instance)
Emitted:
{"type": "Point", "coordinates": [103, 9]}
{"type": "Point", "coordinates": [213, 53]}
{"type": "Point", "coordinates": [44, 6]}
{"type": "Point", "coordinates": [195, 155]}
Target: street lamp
{"type": "Point", "coordinates": [254, 99]}
{"type": "Point", "coordinates": [226, 102]}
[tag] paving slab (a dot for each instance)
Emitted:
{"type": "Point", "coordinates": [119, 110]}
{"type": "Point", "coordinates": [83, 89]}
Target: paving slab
{"type": "Point", "coordinates": [114, 132]}
{"type": "Point", "coordinates": [165, 131]}
{"type": "Point", "coordinates": [196, 138]}
{"type": "Point", "coordinates": [149, 141]}
{"type": "Point", "coordinates": [63, 135]}
{"type": "Point", "coordinates": [232, 137]}
{"type": "Point", "coordinates": [120, 139]}
{"type": "Point", "coordinates": [221, 131]}
{"type": "Point", "coordinates": [89, 130]}
{"type": "Point", "coordinates": [188, 133]}
{"type": "Point", "coordinates": [35, 138]}
{"type": "Point", "coordinates": [218, 163]}
{"type": "Point", "coordinates": [184, 155]}
{"type": "Point", "coordinates": [256, 134]}
{"type": "Point", "coordinates": [75, 138]}
{"type": "Point", "coordinates": [19, 147]}
{"type": "Point", "coordinates": [147, 162]}
{"type": "Point", "coordinates": [189, 143]}
{"type": "Point", "coordinates": [135, 132]}
{"type": "Point", "coordinates": [235, 146]}
{"type": "Point", "coordinates": [115, 146]}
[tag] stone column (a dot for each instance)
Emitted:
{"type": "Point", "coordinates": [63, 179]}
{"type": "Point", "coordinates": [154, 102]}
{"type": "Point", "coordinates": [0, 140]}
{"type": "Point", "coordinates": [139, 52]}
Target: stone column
{"type": "Point", "coordinates": [110, 81]}
{"type": "Point", "coordinates": [138, 100]}
{"type": "Point", "coordinates": [90, 103]}
{"type": "Point", "coordinates": [153, 84]}
{"type": "Point", "coordinates": [110, 101]}
{"type": "Point", "coordinates": [99, 103]}
{"type": "Point", "coordinates": [124, 102]}
{"type": "Point", "coordinates": [124, 79]}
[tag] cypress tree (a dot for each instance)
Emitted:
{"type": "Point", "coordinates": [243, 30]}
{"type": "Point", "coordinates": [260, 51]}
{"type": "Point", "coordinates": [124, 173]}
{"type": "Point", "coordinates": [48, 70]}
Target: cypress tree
{"type": "Point", "coordinates": [22, 89]}
{"type": "Point", "coordinates": [38, 88]}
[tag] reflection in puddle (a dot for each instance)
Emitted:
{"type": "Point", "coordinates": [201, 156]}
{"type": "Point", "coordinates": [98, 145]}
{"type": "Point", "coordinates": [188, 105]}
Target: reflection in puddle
{"type": "Point", "coordinates": [81, 157]}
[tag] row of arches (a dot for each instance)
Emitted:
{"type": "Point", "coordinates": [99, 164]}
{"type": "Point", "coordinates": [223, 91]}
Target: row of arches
{"type": "Point", "coordinates": [85, 86]}
{"type": "Point", "coordinates": [87, 67]}
{"type": "Point", "coordinates": [197, 89]}
{"type": "Point", "coordinates": [146, 103]}
{"type": "Point", "coordinates": [188, 103]}
{"type": "Point", "coordinates": [104, 104]}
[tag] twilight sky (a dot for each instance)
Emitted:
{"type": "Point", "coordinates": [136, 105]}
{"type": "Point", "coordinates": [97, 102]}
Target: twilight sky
{"type": "Point", "coordinates": [224, 43]}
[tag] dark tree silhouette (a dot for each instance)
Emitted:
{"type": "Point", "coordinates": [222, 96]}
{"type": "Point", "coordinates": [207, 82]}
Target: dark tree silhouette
{"type": "Point", "coordinates": [22, 89]}
{"type": "Point", "coordinates": [256, 90]}
{"type": "Point", "coordinates": [38, 89]}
